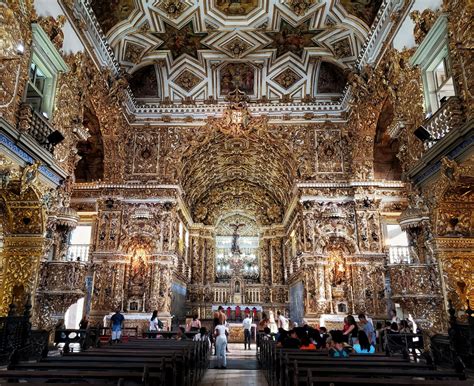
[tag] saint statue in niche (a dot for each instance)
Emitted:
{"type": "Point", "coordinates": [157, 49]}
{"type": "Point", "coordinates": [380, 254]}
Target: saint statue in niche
{"type": "Point", "coordinates": [237, 287]}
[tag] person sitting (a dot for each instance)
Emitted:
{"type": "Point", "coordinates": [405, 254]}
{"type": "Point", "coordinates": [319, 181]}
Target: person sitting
{"type": "Point", "coordinates": [367, 326]}
{"type": "Point", "coordinates": [393, 328]}
{"type": "Point", "coordinates": [281, 336]}
{"type": "Point", "coordinates": [202, 336]}
{"type": "Point", "coordinates": [267, 334]}
{"type": "Point", "coordinates": [306, 344]}
{"type": "Point", "coordinates": [362, 345]}
{"type": "Point", "coordinates": [337, 349]}
{"type": "Point", "coordinates": [323, 335]}
{"type": "Point", "coordinates": [404, 327]}
{"type": "Point", "coordinates": [181, 334]}
{"type": "Point", "coordinates": [292, 340]}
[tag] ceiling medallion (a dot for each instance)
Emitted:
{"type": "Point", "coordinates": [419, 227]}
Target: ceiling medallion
{"type": "Point", "coordinates": [300, 7]}
{"type": "Point", "coordinates": [236, 47]}
{"type": "Point", "coordinates": [187, 80]}
{"type": "Point", "coordinates": [174, 8]}
{"type": "Point", "coordinates": [287, 78]}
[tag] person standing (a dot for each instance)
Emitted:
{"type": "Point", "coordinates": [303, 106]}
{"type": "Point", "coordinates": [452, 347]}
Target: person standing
{"type": "Point", "coordinates": [221, 344]}
{"type": "Point", "coordinates": [368, 328]}
{"type": "Point", "coordinates": [247, 323]}
{"type": "Point", "coordinates": [195, 324]}
{"type": "Point", "coordinates": [116, 326]}
{"type": "Point", "coordinates": [282, 321]}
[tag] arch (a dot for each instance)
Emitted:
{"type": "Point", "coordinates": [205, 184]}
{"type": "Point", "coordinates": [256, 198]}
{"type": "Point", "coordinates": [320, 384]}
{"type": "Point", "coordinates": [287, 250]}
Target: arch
{"type": "Point", "coordinates": [331, 79]}
{"type": "Point", "coordinates": [254, 174]}
{"type": "Point", "coordinates": [386, 163]}
{"type": "Point", "coordinates": [144, 82]}
{"type": "Point", "coordinates": [342, 241]}
{"type": "Point", "coordinates": [91, 165]}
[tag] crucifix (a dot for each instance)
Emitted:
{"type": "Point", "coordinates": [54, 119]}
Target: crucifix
{"type": "Point", "coordinates": [235, 236]}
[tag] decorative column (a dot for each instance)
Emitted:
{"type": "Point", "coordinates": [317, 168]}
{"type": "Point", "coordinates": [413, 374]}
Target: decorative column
{"type": "Point", "coordinates": [24, 241]}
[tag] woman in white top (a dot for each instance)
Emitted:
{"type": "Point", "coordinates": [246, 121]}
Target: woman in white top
{"type": "Point", "coordinates": [154, 325]}
{"type": "Point", "coordinates": [272, 324]}
{"type": "Point", "coordinates": [221, 344]}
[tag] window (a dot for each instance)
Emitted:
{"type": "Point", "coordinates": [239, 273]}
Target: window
{"type": "Point", "coordinates": [397, 241]}
{"type": "Point", "coordinates": [79, 243]}
{"type": "Point", "coordinates": [433, 58]}
{"type": "Point", "coordinates": [439, 84]}
{"type": "Point", "coordinates": [46, 63]}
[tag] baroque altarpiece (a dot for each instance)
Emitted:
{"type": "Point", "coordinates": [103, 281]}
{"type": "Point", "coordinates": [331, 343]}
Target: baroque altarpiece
{"type": "Point", "coordinates": [251, 155]}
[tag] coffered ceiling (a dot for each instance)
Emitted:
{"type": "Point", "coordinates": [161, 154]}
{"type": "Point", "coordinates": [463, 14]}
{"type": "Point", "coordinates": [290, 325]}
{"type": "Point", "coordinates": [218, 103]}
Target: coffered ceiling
{"type": "Point", "coordinates": [272, 50]}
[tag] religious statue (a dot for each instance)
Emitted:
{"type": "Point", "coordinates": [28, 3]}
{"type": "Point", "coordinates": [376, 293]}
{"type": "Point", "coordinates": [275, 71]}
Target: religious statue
{"type": "Point", "coordinates": [235, 237]}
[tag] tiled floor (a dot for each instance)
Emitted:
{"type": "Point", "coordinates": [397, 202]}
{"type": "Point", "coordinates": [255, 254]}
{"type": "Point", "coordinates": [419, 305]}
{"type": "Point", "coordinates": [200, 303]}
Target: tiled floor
{"type": "Point", "coordinates": [232, 377]}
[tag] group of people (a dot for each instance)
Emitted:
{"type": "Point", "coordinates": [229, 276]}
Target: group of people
{"type": "Point", "coordinates": [359, 337]}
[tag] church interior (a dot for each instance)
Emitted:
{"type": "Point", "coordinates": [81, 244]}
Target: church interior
{"type": "Point", "coordinates": [308, 157]}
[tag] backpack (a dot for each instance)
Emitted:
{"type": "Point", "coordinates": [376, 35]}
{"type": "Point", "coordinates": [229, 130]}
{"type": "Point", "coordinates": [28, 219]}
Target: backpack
{"type": "Point", "coordinates": [160, 324]}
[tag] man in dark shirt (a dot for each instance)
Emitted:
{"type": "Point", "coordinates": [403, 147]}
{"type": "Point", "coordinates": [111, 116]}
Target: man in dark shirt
{"type": "Point", "coordinates": [116, 325]}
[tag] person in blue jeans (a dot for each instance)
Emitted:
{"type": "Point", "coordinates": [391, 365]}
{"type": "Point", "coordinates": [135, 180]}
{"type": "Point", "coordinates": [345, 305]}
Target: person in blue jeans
{"type": "Point", "coordinates": [116, 326]}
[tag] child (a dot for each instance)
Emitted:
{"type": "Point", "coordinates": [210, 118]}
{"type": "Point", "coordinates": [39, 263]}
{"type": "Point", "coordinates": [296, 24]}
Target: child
{"type": "Point", "coordinates": [337, 350]}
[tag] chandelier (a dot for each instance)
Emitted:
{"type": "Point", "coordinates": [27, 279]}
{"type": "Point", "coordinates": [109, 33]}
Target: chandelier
{"type": "Point", "coordinates": [237, 264]}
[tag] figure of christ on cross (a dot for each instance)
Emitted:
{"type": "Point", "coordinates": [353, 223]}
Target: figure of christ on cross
{"type": "Point", "coordinates": [235, 237]}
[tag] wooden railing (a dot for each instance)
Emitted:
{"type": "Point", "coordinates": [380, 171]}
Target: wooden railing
{"type": "Point", "coordinates": [399, 254]}
{"type": "Point", "coordinates": [36, 126]}
{"type": "Point", "coordinates": [18, 342]}
{"type": "Point", "coordinates": [457, 347]}
{"type": "Point", "coordinates": [448, 117]}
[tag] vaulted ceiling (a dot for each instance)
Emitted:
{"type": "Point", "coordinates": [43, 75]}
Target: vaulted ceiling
{"type": "Point", "coordinates": [249, 174]}
{"type": "Point", "coordinates": [270, 49]}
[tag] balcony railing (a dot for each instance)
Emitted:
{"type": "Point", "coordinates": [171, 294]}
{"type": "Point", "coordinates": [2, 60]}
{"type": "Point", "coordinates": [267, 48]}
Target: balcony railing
{"type": "Point", "coordinates": [78, 252]}
{"type": "Point", "coordinates": [35, 125]}
{"type": "Point", "coordinates": [399, 254]}
{"type": "Point", "coordinates": [448, 117]}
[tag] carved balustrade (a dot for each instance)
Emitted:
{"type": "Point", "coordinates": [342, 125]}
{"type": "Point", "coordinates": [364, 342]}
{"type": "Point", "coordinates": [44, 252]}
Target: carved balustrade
{"type": "Point", "coordinates": [448, 117]}
{"type": "Point", "coordinates": [35, 125]}
{"type": "Point", "coordinates": [414, 280]}
{"type": "Point", "coordinates": [398, 254]}
{"type": "Point", "coordinates": [78, 252]}
{"type": "Point", "coordinates": [63, 276]}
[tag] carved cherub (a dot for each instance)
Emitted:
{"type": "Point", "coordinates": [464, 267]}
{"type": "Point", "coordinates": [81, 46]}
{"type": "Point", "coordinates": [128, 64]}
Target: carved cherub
{"type": "Point", "coordinates": [29, 176]}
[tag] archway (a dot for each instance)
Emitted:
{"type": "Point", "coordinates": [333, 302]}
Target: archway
{"type": "Point", "coordinates": [386, 164]}
{"type": "Point", "coordinates": [91, 165]}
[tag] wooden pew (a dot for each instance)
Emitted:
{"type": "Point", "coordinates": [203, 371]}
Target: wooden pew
{"type": "Point", "coordinates": [173, 363]}
{"type": "Point", "coordinates": [293, 367]}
